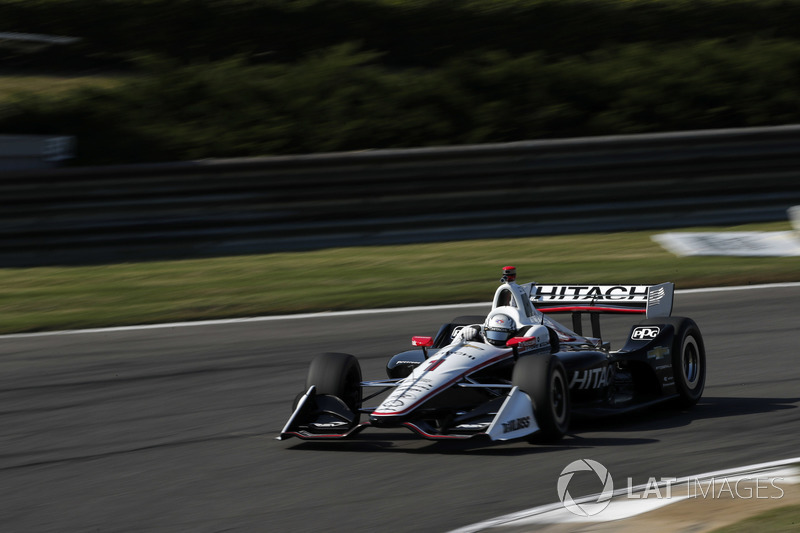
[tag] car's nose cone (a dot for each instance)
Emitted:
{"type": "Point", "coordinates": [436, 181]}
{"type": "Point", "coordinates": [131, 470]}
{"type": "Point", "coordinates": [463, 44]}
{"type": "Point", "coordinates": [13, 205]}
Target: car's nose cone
{"type": "Point", "coordinates": [386, 421]}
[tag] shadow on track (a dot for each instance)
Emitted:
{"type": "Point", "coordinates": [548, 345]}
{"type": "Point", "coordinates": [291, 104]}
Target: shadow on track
{"type": "Point", "coordinates": [726, 407]}
{"type": "Point", "coordinates": [665, 416]}
{"type": "Point", "coordinates": [476, 446]}
{"type": "Point", "coordinates": [656, 418]}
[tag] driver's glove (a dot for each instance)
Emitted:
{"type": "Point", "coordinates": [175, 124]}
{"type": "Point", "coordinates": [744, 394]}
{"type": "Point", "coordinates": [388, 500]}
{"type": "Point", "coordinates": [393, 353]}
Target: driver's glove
{"type": "Point", "coordinates": [470, 333]}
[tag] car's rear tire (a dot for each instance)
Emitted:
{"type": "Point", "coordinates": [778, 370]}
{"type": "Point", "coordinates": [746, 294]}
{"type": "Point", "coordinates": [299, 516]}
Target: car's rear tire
{"type": "Point", "coordinates": [688, 359]}
{"type": "Point", "coordinates": [337, 374]}
{"type": "Point", "coordinates": [544, 379]}
{"type": "Point", "coordinates": [688, 363]}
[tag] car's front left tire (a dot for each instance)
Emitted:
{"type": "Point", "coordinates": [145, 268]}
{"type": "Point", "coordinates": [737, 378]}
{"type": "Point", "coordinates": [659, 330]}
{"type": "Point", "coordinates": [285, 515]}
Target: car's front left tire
{"type": "Point", "coordinates": [337, 374]}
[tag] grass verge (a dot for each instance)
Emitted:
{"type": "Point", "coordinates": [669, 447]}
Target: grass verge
{"type": "Point", "coordinates": [775, 521]}
{"type": "Point", "coordinates": [37, 299]}
{"type": "Point", "coordinates": [19, 85]}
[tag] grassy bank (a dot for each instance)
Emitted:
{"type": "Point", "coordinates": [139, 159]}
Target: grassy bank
{"type": "Point", "coordinates": [53, 86]}
{"type": "Point", "coordinates": [785, 519]}
{"type": "Point", "coordinates": [348, 278]}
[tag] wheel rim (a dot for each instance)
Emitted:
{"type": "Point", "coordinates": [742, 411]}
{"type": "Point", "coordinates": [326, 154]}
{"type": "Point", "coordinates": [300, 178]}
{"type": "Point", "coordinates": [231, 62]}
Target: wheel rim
{"type": "Point", "coordinates": [690, 361]}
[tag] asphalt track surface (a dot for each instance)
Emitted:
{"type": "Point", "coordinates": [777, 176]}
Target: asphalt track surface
{"type": "Point", "coordinates": [174, 429]}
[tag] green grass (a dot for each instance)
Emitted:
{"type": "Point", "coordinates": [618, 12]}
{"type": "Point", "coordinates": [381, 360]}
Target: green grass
{"type": "Point", "coordinates": [54, 85]}
{"type": "Point", "coordinates": [36, 299]}
{"type": "Point", "coordinates": [784, 519]}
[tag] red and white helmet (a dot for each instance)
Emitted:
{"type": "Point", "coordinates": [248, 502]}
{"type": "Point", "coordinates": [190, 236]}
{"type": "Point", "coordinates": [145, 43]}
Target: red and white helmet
{"type": "Point", "coordinates": [498, 328]}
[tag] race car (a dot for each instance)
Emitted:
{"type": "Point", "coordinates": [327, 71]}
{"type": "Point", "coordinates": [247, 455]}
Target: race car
{"type": "Point", "coordinates": [516, 373]}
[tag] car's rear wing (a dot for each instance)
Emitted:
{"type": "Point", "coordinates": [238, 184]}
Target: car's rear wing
{"type": "Point", "coordinates": [653, 301]}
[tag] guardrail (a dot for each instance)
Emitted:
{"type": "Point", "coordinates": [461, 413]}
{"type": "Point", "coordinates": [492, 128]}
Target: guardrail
{"type": "Point", "coordinates": [215, 207]}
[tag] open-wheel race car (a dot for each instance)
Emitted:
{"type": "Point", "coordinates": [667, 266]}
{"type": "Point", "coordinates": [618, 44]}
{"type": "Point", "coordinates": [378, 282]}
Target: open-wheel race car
{"type": "Point", "coordinates": [515, 373]}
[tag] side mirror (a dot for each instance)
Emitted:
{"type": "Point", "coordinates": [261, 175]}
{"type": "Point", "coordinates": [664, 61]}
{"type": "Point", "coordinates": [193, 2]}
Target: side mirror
{"type": "Point", "coordinates": [422, 342]}
{"type": "Point", "coordinates": [515, 343]}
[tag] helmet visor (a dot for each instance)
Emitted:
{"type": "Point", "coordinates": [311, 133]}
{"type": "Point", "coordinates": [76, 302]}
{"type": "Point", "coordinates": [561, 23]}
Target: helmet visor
{"type": "Point", "coordinates": [497, 336]}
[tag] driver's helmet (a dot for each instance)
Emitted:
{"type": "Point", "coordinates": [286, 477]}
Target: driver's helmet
{"type": "Point", "coordinates": [499, 328]}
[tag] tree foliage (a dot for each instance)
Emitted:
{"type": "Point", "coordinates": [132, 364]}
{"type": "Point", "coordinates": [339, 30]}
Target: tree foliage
{"type": "Point", "coordinates": [245, 77]}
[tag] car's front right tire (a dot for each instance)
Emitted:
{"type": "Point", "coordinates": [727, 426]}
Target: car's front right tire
{"type": "Point", "coordinates": [544, 379]}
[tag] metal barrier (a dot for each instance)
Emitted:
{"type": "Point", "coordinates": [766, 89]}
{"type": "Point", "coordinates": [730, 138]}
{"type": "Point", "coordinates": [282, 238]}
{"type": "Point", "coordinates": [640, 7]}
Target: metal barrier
{"type": "Point", "coordinates": [259, 205]}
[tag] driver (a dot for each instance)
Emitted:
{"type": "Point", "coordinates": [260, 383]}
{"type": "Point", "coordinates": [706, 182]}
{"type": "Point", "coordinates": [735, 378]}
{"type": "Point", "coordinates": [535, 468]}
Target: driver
{"type": "Point", "coordinates": [498, 328]}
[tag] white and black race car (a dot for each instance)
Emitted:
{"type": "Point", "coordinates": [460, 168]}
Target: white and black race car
{"type": "Point", "coordinates": [516, 373]}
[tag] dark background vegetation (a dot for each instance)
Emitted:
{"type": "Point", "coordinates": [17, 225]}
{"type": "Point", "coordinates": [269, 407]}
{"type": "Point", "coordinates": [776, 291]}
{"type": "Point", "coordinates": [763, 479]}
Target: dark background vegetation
{"type": "Point", "coordinates": [239, 78]}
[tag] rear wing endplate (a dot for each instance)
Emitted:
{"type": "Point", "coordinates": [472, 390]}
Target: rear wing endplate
{"type": "Point", "coordinates": [653, 301]}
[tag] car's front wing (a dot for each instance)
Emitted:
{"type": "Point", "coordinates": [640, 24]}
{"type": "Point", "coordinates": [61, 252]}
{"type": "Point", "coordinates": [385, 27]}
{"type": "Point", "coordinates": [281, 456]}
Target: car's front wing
{"type": "Point", "coordinates": [323, 417]}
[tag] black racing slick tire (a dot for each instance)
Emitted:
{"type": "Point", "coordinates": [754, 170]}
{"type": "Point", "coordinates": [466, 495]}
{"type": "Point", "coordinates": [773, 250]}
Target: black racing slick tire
{"type": "Point", "coordinates": [688, 358]}
{"type": "Point", "coordinates": [337, 374]}
{"type": "Point", "coordinates": [544, 379]}
{"type": "Point", "coordinates": [688, 362]}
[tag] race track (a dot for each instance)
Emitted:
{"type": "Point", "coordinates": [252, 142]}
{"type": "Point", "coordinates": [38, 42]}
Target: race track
{"type": "Point", "coordinates": [174, 429]}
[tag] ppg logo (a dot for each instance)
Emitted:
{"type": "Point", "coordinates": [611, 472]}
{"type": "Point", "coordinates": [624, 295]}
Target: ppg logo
{"type": "Point", "coordinates": [645, 333]}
